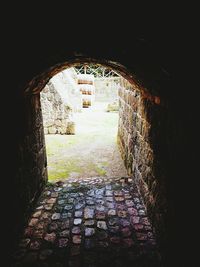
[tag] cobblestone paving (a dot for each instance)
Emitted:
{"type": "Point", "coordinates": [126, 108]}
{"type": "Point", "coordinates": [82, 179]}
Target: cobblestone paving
{"type": "Point", "coordinates": [88, 222]}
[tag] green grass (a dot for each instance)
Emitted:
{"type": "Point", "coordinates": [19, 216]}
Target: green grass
{"type": "Point", "coordinates": [61, 169]}
{"type": "Point", "coordinates": [63, 154]}
{"type": "Point", "coordinates": [98, 169]}
{"type": "Point", "coordinates": [57, 175]}
{"type": "Point", "coordinates": [55, 143]}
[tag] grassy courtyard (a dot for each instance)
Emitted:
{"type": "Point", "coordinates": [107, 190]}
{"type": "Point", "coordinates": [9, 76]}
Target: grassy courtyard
{"type": "Point", "coordinates": [91, 152]}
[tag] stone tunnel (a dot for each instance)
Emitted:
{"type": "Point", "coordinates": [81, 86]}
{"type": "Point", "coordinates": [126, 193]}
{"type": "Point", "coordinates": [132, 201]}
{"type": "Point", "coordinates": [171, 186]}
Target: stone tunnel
{"type": "Point", "coordinates": [140, 132]}
{"type": "Point", "coordinates": [148, 137]}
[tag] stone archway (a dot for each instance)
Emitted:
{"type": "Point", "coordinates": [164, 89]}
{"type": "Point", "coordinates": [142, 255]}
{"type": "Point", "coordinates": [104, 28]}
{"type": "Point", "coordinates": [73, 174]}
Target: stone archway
{"type": "Point", "coordinates": [137, 138]}
{"type": "Point", "coordinates": [135, 122]}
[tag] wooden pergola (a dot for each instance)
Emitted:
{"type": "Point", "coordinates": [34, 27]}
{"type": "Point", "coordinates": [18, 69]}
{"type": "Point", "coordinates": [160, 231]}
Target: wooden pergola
{"type": "Point", "coordinates": [96, 70]}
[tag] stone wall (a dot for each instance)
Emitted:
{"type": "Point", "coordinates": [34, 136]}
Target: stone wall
{"type": "Point", "coordinates": [106, 88]}
{"type": "Point", "coordinates": [161, 61]}
{"type": "Point", "coordinates": [56, 114]}
{"type": "Point", "coordinates": [59, 99]}
{"type": "Point", "coordinates": [32, 161]}
{"type": "Point", "coordinates": [139, 135]}
{"type": "Point", "coordinates": [68, 87]}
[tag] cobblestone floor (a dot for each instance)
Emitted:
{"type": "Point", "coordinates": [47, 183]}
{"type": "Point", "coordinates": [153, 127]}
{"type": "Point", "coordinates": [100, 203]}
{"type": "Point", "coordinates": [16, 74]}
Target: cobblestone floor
{"type": "Point", "coordinates": [88, 222]}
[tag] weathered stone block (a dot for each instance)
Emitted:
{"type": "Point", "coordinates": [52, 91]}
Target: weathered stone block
{"type": "Point", "coordinates": [52, 130]}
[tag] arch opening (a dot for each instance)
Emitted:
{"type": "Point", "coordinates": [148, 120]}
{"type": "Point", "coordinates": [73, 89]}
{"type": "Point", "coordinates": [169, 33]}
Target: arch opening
{"type": "Point", "coordinates": [137, 110]}
{"type": "Point", "coordinates": [80, 107]}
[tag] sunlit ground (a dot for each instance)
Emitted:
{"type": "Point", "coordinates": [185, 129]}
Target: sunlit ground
{"type": "Point", "coordinates": [91, 152]}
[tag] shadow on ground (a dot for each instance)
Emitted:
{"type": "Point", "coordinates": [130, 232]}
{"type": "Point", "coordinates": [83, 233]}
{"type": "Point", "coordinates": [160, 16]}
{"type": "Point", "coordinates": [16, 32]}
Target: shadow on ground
{"type": "Point", "coordinates": [88, 222]}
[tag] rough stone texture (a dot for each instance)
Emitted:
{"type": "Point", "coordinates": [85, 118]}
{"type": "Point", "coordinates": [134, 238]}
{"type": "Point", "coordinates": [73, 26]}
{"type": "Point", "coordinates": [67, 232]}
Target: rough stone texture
{"type": "Point", "coordinates": [120, 243]}
{"type": "Point", "coordinates": [32, 170]}
{"type": "Point", "coordinates": [138, 144]}
{"type": "Point", "coordinates": [56, 111]}
{"type": "Point", "coordinates": [151, 61]}
{"type": "Point", "coordinates": [138, 136]}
